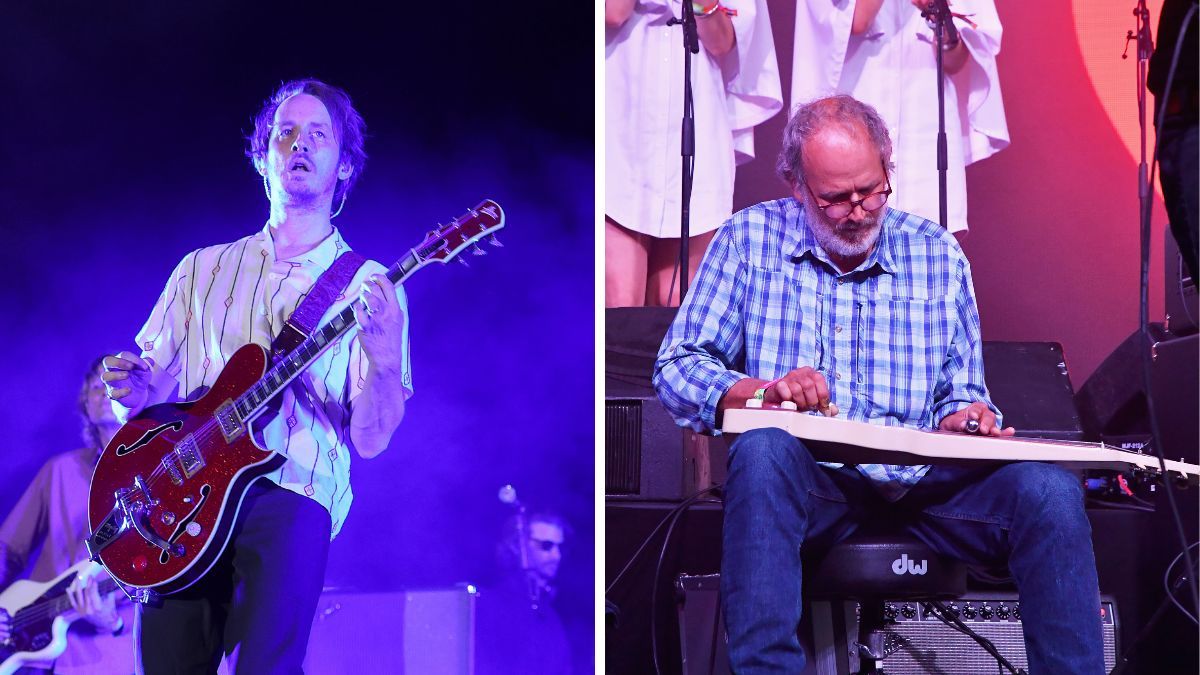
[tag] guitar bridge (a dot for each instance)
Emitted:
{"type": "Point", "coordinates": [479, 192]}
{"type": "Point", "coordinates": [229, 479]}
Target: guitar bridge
{"type": "Point", "coordinates": [231, 424]}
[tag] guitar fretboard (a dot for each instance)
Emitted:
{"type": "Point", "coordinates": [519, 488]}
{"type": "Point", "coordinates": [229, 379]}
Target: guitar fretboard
{"type": "Point", "coordinates": [56, 605]}
{"type": "Point", "coordinates": [295, 362]}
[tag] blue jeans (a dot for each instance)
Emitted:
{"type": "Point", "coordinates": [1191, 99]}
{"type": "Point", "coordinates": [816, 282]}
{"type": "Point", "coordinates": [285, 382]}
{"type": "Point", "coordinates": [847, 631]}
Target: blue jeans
{"type": "Point", "coordinates": [1027, 515]}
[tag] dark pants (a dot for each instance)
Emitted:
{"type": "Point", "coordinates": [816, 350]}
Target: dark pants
{"type": "Point", "coordinates": [256, 603]}
{"type": "Point", "coordinates": [1028, 515]}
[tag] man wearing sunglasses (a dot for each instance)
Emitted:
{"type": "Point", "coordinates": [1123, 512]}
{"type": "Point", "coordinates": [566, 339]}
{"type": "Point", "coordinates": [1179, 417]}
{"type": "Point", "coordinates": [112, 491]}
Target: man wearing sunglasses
{"type": "Point", "coordinates": [833, 301]}
{"type": "Point", "coordinates": [519, 628]}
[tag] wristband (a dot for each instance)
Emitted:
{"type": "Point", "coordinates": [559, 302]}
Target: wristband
{"type": "Point", "coordinates": [701, 10]}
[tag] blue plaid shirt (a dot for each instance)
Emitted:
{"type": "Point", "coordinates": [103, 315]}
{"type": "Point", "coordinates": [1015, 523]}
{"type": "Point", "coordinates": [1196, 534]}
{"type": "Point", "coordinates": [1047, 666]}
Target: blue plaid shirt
{"type": "Point", "coordinates": [897, 339]}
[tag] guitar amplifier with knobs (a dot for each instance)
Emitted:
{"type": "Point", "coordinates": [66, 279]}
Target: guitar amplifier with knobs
{"type": "Point", "coordinates": [917, 641]}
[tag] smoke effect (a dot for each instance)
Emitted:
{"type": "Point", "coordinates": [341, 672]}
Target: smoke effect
{"type": "Point", "coordinates": [122, 152]}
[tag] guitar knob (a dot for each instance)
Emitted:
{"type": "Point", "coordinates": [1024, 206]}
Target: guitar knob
{"type": "Point", "coordinates": [168, 518]}
{"type": "Point", "coordinates": [788, 405]}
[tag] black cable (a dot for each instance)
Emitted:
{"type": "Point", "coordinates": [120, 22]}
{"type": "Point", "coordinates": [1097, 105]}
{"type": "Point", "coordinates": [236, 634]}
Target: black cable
{"type": "Point", "coordinates": [1167, 585]}
{"type": "Point", "coordinates": [1145, 327]}
{"type": "Point", "coordinates": [947, 617]}
{"type": "Point", "coordinates": [682, 505]}
{"type": "Point", "coordinates": [662, 554]}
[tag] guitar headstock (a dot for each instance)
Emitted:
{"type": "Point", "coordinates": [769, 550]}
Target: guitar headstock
{"type": "Point", "coordinates": [448, 240]}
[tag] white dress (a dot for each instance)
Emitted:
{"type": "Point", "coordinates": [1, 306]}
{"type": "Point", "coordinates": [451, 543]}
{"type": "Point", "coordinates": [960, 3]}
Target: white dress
{"type": "Point", "coordinates": [892, 66]}
{"type": "Point", "coordinates": [643, 71]}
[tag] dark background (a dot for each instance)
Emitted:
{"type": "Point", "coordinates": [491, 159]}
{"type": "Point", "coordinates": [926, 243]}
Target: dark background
{"type": "Point", "coordinates": [121, 147]}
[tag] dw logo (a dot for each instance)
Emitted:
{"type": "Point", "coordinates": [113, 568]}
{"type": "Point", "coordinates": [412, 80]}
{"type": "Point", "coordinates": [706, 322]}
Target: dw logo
{"type": "Point", "coordinates": [901, 564]}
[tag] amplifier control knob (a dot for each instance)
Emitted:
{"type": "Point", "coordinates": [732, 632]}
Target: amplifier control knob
{"type": "Point", "coordinates": [985, 612]}
{"type": "Point", "coordinates": [889, 612]}
{"type": "Point", "coordinates": [953, 610]}
{"type": "Point", "coordinates": [1002, 611]}
{"type": "Point", "coordinates": [908, 611]}
{"type": "Point", "coordinates": [968, 611]}
{"type": "Point", "coordinates": [1016, 612]}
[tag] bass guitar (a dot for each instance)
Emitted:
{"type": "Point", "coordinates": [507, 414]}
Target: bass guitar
{"type": "Point", "coordinates": [38, 616]}
{"type": "Point", "coordinates": [167, 489]}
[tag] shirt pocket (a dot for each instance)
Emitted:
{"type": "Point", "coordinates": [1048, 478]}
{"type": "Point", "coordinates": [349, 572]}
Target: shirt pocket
{"type": "Point", "coordinates": [780, 330]}
{"type": "Point", "coordinates": [902, 346]}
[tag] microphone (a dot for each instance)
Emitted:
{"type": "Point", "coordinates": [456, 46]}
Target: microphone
{"type": "Point", "coordinates": [939, 10]}
{"type": "Point", "coordinates": [508, 495]}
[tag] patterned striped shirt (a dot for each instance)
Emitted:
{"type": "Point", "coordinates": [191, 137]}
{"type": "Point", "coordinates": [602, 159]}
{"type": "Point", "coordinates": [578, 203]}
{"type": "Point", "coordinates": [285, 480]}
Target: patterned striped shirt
{"type": "Point", "coordinates": [897, 338]}
{"type": "Point", "coordinates": [222, 297]}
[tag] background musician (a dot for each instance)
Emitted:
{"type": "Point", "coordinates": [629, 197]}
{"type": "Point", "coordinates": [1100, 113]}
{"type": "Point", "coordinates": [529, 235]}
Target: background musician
{"type": "Point", "coordinates": [834, 301]}
{"type": "Point", "coordinates": [43, 536]}
{"type": "Point", "coordinates": [520, 630]}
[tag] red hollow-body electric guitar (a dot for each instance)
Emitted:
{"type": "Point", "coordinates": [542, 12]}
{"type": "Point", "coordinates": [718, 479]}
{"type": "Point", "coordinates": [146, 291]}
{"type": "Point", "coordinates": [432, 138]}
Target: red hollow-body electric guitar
{"type": "Point", "coordinates": [167, 489]}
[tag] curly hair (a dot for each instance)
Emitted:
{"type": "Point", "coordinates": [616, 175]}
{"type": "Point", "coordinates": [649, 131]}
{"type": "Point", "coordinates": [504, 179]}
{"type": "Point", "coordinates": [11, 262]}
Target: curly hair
{"type": "Point", "coordinates": [348, 127]}
{"type": "Point", "coordinates": [809, 118]}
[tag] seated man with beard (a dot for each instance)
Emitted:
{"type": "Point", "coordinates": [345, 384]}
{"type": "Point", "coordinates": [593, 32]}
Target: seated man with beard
{"type": "Point", "coordinates": [834, 302]}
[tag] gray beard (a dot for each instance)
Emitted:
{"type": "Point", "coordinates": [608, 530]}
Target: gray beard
{"type": "Point", "coordinates": [848, 241]}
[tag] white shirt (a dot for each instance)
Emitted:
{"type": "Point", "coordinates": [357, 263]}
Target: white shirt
{"type": "Point", "coordinates": [643, 74]}
{"type": "Point", "coordinates": [222, 297]}
{"type": "Point", "coordinates": [892, 66]}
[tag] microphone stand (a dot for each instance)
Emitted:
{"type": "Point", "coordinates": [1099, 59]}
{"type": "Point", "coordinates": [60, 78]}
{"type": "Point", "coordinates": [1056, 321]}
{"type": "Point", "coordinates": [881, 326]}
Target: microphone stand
{"type": "Point", "coordinates": [1145, 47]}
{"type": "Point", "coordinates": [944, 31]}
{"type": "Point", "coordinates": [687, 141]}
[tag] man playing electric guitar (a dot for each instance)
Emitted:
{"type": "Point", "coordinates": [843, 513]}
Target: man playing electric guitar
{"type": "Point", "coordinates": [257, 602]}
{"type": "Point", "coordinates": [50, 522]}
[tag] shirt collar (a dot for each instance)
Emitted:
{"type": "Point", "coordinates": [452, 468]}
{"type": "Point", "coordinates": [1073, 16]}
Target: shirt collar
{"type": "Point", "coordinates": [322, 255]}
{"type": "Point", "coordinates": [799, 240]}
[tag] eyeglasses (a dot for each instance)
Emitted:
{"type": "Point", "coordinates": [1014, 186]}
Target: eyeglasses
{"type": "Point", "coordinates": [871, 202]}
{"type": "Point", "coordinates": [546, 544]}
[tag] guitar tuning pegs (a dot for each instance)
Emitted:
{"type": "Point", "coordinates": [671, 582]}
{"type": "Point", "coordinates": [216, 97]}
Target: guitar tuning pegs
{"type": "Point", "coordinates": [475, 250]}
{"type": "Point", "coordinates": [495, 242]}
{"type": "Point", "coordinates": [463, 261]}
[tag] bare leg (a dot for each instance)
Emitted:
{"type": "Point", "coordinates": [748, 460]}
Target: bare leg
{"type": "Point", "coordinates": [625, 256]}
{"type": "Point", "coordinates": [664, 255]}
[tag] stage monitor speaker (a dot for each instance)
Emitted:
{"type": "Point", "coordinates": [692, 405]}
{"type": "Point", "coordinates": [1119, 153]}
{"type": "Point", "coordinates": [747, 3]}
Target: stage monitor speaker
{"type": "Point", "coordinates": [1031, 386]}
{"type": "Point", "coordinates": [918, 642]}
{"type": "Point", "coordinates": [1112, 403]}
{"type": "Point", "coordinates": [426, 631]}
{"type": "Point", "coordinates": [643, 447]}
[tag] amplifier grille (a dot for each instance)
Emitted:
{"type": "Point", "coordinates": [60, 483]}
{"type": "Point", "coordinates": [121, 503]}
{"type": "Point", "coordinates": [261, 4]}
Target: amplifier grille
{"type": "Point", "coordinates": [622, 447]}
{"type": "Point", "coordinates": [926, 645]}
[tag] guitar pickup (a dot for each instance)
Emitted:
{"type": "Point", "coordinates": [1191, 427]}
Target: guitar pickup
{"type": "Point", "coordinates": [231, 424]}
{"type": "Point", "coordinates": [190, 459]}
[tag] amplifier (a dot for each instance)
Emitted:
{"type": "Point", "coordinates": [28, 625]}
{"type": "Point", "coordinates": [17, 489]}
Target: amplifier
{"type": "Point", "coordinates": [416, 631]}
{"type": "Point", "coordinates": [917, 641]}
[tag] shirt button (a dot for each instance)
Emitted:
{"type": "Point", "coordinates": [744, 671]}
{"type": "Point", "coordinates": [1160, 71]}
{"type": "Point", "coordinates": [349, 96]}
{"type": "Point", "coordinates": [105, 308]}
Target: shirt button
{"type": "Point", "coordinates": [837, 376]}
{"type": "Point", "coordinates": [837, 329]}
{"type": "Point", "coordinates": [262, 311]}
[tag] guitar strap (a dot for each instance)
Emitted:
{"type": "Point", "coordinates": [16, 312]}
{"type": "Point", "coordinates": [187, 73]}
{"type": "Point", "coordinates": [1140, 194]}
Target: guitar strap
{"type": "Point", "coordinates": [329, 287]}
